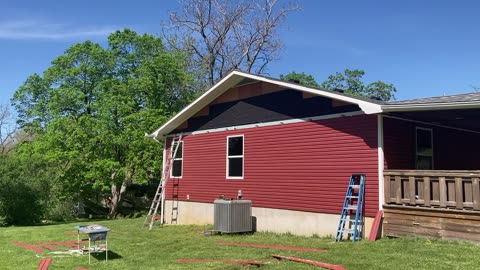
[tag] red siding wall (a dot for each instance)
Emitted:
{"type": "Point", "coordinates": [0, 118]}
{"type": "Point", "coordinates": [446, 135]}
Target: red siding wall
{"type": "Point", "coordinates": [301, 166]}
{"type": "Point", "coordinates": [452, 149]}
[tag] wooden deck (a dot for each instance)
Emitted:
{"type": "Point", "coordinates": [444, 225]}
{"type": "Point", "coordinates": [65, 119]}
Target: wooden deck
{"type": "Point", "coordinates": [440, 189]}
{"type": "Point", "coordinates": [432, 204]}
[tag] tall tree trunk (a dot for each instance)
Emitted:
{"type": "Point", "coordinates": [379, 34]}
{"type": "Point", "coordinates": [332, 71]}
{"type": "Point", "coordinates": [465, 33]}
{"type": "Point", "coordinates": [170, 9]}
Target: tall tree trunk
{"type": "Point", "coordinates": [117, 195]}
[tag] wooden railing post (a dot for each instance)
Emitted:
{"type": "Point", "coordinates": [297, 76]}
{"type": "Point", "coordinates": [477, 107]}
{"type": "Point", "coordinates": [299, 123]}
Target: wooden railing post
{"type": "Point", "coordinates": [426, 192]}
{"type": "Point", "coordinates": [386, 185]}
{"type": "Point", "coordinates": [476, 194]}
{"type": "Point", "coordinates": [443, 191]}
{"type": "Point", "coordinates": [411, 187]}
{"type": "Point", "coordinates": [398, 189]}
{"type": "Point", "coordinates": [458, 193]}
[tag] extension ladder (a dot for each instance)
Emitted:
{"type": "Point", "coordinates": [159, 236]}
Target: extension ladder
{"type": "Point", "coordinates": [352, 206]}
{"type": "Point", "coordinates": [159, 198]}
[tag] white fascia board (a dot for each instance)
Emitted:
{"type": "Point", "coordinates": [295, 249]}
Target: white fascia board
{"type": "Point", "coordinates": [233, 79]}
{"type": "Point", "coordinates": [431, 106]}
{"type": "Point", "coordinates": [367, 107]}
{"type": "Point", "coordinates": [202, 101]}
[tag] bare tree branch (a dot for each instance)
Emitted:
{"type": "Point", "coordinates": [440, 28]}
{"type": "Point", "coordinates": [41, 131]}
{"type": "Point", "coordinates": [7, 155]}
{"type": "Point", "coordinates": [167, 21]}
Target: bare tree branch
{"type": "Point", "coordinates": [224, 35]}
{"type": "Point", "coordinates": [7, 130]}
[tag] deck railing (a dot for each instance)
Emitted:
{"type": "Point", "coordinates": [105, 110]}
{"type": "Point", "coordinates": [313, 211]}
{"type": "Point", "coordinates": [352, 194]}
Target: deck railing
{"type": "Point", "coordinates": [427, 188]}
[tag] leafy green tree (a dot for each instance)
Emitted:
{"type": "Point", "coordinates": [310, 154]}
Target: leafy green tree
{"type": "Point", "coordinates": [381, 90]}
{"type": "Point", "coordinates": [92, 107]}
{"type": "Point", "coordinates": [302, 78]}
{"type": "Point", "coordinates": [351, 82]}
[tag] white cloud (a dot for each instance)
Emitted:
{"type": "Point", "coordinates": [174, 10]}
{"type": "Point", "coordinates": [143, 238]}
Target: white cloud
{"type": "Point", "coordinates": [38, 29]}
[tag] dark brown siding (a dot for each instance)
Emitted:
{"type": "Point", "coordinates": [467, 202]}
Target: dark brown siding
{"type": "Point", "coordinates": [452, 149]}
{"type": "Point", "coordinates": [280, 105]}
{"type": "Point", "coordinates": [300, 166]}
{"type": "Point", "coordinates": [399, 144]}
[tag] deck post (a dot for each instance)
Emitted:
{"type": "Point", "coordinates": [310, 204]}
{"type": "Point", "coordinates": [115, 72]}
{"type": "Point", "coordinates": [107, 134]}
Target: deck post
{"type": "Point", "coordinates": [381, 162]}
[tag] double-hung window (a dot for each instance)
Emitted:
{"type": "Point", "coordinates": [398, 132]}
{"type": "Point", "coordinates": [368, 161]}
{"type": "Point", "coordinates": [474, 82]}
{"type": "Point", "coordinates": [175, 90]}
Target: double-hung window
{"type": "Point", "coordinates": [177, 161]}
{"type": "Point", "coordinates": [424, 148]}
{"type": "Point", "coordinates": [235, 157]}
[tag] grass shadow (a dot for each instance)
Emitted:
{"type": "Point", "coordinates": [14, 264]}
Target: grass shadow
{"type": "Point", "coordinates": [111, 255]}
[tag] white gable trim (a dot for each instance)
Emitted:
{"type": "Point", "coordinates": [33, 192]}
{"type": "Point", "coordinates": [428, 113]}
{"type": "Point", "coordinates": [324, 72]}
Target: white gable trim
{"type": "Point", "coordinates": [233, 79]}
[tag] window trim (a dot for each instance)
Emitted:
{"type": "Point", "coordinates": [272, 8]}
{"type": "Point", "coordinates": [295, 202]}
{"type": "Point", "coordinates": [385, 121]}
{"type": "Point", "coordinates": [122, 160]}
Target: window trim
{"type": "Point", "coordinates": [176, 159]}
{"type": "Point", "coordinates": [416, 146]}
{"type": "Point", "coordinates": [236, 156]}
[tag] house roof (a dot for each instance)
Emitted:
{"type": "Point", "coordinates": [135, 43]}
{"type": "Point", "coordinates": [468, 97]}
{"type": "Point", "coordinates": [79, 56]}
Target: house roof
{"type": "Point", "coordinates": [367, 105]}
{"type": "Point", "coordinates": [235, 78]}
{"type": "Point", "coordinates": [461, 101]}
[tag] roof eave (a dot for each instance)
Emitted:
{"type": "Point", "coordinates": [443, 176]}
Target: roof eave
{"type": "Point", "coordinates": [430, 106]}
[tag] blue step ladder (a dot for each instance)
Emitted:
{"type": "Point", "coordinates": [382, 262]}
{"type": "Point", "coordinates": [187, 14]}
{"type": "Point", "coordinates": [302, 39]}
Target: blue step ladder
{"type": "Point", "coordinates": [352, 207]}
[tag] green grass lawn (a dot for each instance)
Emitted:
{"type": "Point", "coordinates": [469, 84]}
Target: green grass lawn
{"type": "Point", "coordinates": [134, 247]}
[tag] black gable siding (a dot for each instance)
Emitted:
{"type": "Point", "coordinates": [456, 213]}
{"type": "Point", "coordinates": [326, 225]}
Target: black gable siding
{"type": "Point", "coordinates": [282, 105]}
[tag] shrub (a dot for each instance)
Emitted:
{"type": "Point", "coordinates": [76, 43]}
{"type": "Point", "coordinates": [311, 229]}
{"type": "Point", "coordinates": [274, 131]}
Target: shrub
{"type": "Point", "coordinates": [21, 193]}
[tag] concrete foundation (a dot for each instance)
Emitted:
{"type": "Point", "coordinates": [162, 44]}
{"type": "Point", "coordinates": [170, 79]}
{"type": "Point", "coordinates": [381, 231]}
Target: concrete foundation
{"type": "Point", "coordinates": [267, 219]}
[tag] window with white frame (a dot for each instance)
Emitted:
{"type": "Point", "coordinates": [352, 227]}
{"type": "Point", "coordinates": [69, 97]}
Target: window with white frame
{"type": "Point", "coordinates": [424, 148]}
{"type": "Point", "coordinates": [177, 161]}
{"type": "Point", "coordinates": [235, 157]}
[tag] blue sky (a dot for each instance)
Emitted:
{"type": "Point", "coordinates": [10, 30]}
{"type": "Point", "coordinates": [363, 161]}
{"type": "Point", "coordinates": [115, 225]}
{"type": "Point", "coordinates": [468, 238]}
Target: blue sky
{"type": "Point", "coordinates": [425, 48]}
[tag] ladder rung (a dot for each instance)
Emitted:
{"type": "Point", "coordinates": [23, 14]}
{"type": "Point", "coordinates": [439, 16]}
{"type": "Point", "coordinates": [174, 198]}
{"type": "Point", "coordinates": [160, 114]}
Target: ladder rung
{"type": "Point", "coordinates": [355, 186]}
{"type": "Point", "coordinates": [353, 197]}
{"type": "Point", "coordinates": [351, 207]}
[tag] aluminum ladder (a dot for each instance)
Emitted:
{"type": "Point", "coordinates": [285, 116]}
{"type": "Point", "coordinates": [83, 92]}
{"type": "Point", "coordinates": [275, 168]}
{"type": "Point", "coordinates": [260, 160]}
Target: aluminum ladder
{"type": "Point", "coordinates": [159, 198]}
{"type": "Point", "coordinates": [352, 206]}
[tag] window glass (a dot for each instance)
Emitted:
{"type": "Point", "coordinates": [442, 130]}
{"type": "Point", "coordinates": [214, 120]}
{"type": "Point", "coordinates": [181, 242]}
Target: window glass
{"type": "Point", "coordinates": [235, 156]}
{"type": "Point", "coordinates": [235, 168]}
{"type": "Point", "coordinates": [424, 142]}
{"type": "Point", "coordinates": [179, 153]}
{"type": "Point", "coordinates": [177, 161]}
{"type": "Point", "coordinates": [235, 146]}
{"type": "Point", "coordinates": [424, 163]}
{"type": "Point", "coordinates": [177, 168]}
{"type": "Point", "coordinates": [424, 149]}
